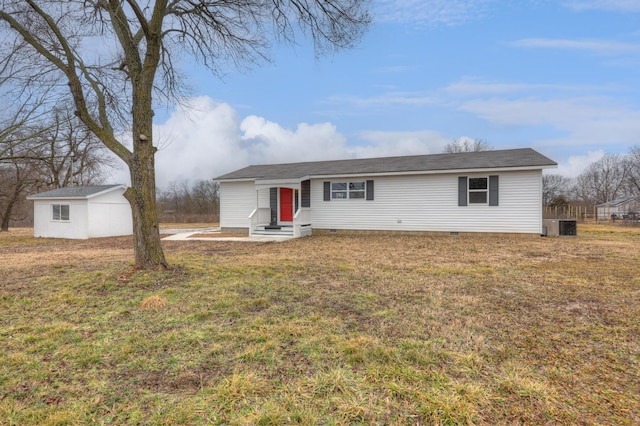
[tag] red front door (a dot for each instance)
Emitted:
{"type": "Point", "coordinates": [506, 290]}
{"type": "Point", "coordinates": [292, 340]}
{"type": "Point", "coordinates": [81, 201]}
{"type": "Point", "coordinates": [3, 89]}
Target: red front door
{"type": "Point", "coordinates": [286, 205]}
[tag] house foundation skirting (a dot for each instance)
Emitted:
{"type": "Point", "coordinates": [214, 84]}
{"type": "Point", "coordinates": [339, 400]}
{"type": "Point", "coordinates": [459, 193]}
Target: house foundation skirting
{"type": "Point", "coordinates": [318, 232]}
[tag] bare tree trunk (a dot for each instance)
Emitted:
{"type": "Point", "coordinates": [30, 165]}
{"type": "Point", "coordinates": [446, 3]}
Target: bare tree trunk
{"type": "Point", "coordinates": [11, 201]}
{"type": "Point", "coordinates": [142, 198]}
{"type": "Point", "coordinates": [146, 234]}
{"type": "Point", "coordinates": [6, 216]}
{"type": "Point", "coordinates": [142, 193]}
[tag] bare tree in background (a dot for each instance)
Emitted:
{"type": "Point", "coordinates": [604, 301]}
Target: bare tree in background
{"type": "Point", "coordinates": [68, 153]}
{"type": "Point", "coordinates": [554, 186]}
{"type": "Point", "coordinates": [206, 198]}
{"type": "Point", "coordinates": [17, 177]}
{"type": "Point", "coordinates": [467, 145]}
{"type": "Point", "coordinates": [17, 132]}
{"type": "Point", "coordinates": [603, 181]}
{"type": "Point", "coordinates": [633, 171]}
{"type": "Point", "coordinates": [113, 87]}
{"type": "Point", "coordinates": [182, 202]}
{"type": "Point", "coordinates": [45, 151]}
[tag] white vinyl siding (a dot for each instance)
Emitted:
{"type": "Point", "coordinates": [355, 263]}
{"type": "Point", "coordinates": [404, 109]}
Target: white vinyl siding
{"type": "Point", "coordinates": [45, 226]}
{"type": "Point", "coordinates": [237, 201]}
{"type": "Point", "coordinates": [110, 215]}
{"type": "Point", "coordinates": [430, 203]}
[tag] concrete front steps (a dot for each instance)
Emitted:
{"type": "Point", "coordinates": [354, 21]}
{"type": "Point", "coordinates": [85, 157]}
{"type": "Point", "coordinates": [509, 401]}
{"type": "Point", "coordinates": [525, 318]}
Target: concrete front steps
{"type": "Point", "coordinates": [274, 231]}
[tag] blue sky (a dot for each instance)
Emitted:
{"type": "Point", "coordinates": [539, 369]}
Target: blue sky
{"type": "Point", "coordinates": [559, 76]}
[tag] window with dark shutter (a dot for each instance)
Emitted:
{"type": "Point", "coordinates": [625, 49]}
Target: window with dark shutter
{"type": "Point", "coordinates": [327, 191]}
{"type": "Point", "coordinates": [273, 205]}
{"type": "Point", "coordinates": [305, 187]}
{"type": "Point", "coordinates": [462, 191]}
{"type": "Point", "coordinates": [493, 190]}
{"type": "Point", "coordinates": [369, 190]}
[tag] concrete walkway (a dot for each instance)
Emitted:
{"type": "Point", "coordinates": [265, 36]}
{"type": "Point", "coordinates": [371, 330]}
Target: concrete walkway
{"type": "Point", "coordinates": [185, 235]}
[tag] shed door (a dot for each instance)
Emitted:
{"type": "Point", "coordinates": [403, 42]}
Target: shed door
{"type": "Point", "coordinates": [286, 205]}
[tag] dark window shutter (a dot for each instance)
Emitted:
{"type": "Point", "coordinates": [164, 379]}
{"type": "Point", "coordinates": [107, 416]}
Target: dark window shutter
{"type": "Point", "coordinates": [327, 191]}
{"type": "Point", "coordinates": [273, 204]}
{"type": "Point", "coordinates": [369, 190]}
{"type": "Point", "coordinates": [305, 186]}
{"type": "Point", "coordinates": [462, 190]}
{"type": "Point", "coordinates": [493, 190]}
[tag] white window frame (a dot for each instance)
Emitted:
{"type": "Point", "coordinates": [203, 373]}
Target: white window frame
{"type": "Point", "coordinates": [60, 215]}
{"type": "Point", "coordinates": [478, 191]}
{"type": "Point", "coordinates": [349, 190]}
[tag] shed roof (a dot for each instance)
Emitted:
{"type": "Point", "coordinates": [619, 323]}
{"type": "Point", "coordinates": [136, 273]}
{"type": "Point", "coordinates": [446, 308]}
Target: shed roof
{"type": "Point", "coordinates": [511, 158]}
{"type": "Point", "coordinates": [76, 192]}
{"type": "Point", "coordinates": [619, 202]}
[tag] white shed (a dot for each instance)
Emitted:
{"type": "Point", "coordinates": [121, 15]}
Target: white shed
{"type": "Point", "coordinates": [82, 212]}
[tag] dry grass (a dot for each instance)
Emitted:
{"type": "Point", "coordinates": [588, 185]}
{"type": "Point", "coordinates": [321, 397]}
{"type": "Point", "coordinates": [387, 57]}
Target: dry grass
{"type": "Point", "coordinates": [430, 329]}
{"type": "Point", "coordinates": [153, 302]}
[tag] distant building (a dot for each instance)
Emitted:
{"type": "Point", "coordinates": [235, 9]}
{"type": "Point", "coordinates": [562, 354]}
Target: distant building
{"type": "Point", "coordinates": [619, 208]}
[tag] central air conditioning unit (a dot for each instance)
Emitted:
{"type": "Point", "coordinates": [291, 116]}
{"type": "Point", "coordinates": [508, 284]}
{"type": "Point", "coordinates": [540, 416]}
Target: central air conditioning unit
{"type": "Point", "coordinates": [559, 227]}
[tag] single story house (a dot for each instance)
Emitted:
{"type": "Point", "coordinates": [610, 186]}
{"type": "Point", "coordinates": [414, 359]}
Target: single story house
{"type": "Point", "coordinates": [82, 212]}
{"type": "Point", "coordinates": [618, 208]}
{"type": "Point", "coordinates": [489, 191]}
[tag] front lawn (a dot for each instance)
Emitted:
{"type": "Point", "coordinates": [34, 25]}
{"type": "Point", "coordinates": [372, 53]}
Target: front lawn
{"type": "Point", "coordinates": [334, 330]}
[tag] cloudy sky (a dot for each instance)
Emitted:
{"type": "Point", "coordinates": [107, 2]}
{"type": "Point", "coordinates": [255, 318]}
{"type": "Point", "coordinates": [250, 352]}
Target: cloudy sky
{"type": "Point", "coordinates": [559, 76]}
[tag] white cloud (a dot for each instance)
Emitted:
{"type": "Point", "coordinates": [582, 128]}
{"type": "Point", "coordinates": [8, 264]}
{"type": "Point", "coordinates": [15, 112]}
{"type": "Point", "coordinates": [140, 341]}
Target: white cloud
{"type": "Point", "coordinates": [603, 47]}
{"type": "Point", "coordinates": [576, 164]}
{"type": "Point", "coordinates": [474, 87]}
{"type": "Point", "coordinates": [430, 13]}
{"type": "Point", "coordinates": [613, 5]}
{"type": "Point", "coordinates": [198, 139]}
{"type": "Point", "coordinates": [381, 144]}
{"type": "Point", "coordinates": [264, 141]}
{"type": "Point", "coordinates": [586, 121]}
{"type": "Point", "coordinates": [204, 139]}
{"type": "Point", "coordinates": [386, 99]}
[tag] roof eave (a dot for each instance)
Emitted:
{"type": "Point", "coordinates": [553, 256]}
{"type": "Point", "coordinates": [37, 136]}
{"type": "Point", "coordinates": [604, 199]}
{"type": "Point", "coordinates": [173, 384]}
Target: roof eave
{"type": "Point", "coordinates": [433, 172]}
{"type": "Point", "coordinates": [107, 190]}
{"type": "Point", "coordinates": [396, 173]}
{"type": "Point", "coordinates": [76, 197]}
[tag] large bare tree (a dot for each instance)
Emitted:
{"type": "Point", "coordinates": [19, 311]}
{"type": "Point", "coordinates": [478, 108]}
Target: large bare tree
{"type": "Point", "coordinates": [116, 56]}
{"type": "Point", "coordinates": [18, 130]}
{"type": "Point", "coordinates": [40, 151]}
{"type": "Point", "coordinates": [603, 181]}
{"type": "Point", "coordinates": [67, 153]}
{"type": "Point", "coordinates": [554, 186]}
{"type": "Point", "coordinates": [633, 167]}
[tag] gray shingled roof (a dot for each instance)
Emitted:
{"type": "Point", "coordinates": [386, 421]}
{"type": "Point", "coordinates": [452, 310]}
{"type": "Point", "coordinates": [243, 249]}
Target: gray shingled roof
{"type": "Point", "coordinates": [619, 202]}
{"type": "Point", "coordinates": [512, 158]}
{"type": "Point", "coordinates": [74, 191]}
